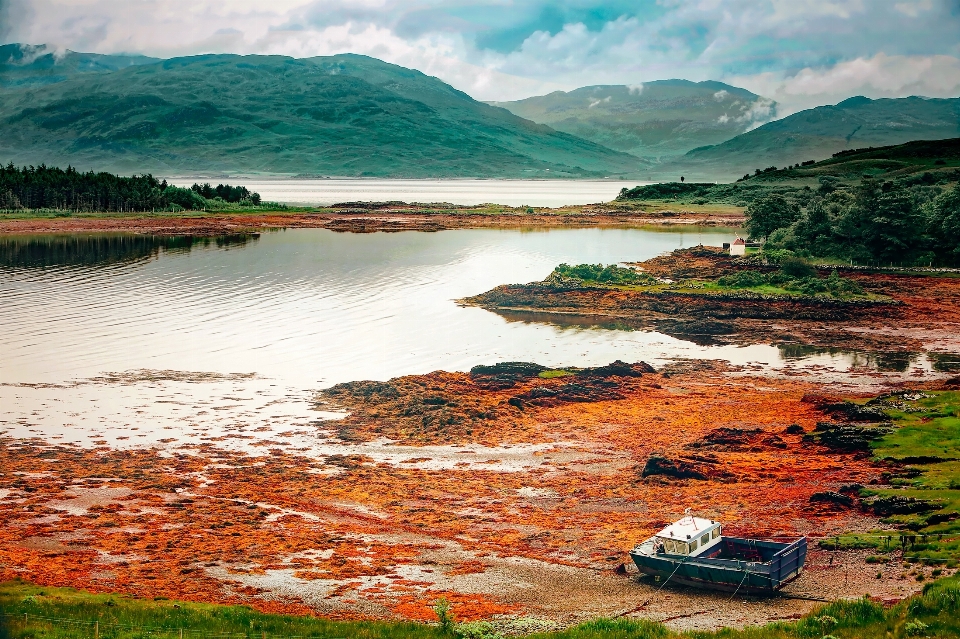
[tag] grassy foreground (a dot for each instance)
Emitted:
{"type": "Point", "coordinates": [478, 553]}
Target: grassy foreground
{"type": "Point", "coordinates": [30, 611]}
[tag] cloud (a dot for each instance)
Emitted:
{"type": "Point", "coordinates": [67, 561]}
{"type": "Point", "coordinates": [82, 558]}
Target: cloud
{"type": "Point", "coordinates": [635, 89]}
{"type": "Point", "coordinates": [720, 95]}
{"type": "Point", "coordinates": [797, 53]}
{"type": "Point", "coordinates": [879, 76]}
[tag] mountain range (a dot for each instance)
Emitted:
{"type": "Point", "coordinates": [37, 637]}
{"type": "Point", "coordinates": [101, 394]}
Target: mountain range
{"type": "Point", "coordinates": [351, 115]}
{"type": "Point", "coordinates": [346, 115]}
{"type": "Point", "coordinates": [36, 65]}
{"type": "Point", "coordinates": [818, 133]}
{"type": "Point", "coordinates": [657, 120]}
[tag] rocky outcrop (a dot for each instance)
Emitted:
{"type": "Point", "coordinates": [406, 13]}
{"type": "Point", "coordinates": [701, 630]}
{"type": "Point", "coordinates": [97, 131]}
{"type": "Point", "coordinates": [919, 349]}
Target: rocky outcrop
{"type": "Point", "coordinates": [844, 437]}
{"type": "Point", "coordinates": [831, 498]}
{"type": "Point", "coordinates": [899, 505]}
{"type": "Point", "coordinates": [666, 467]}
{"type": "Point", "coordinates": [738, 439]}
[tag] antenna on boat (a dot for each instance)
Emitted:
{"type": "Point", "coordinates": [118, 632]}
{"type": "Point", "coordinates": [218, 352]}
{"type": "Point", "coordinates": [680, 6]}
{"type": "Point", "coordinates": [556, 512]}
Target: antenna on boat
{"type": "Point", "coordinates": [686, 512]}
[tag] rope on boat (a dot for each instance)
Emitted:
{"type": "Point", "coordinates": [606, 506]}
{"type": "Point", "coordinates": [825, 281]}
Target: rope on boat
{"type": "Point", "coordinates": [663, 584]}
{"type": "Point", "coordinates": [745, 575]}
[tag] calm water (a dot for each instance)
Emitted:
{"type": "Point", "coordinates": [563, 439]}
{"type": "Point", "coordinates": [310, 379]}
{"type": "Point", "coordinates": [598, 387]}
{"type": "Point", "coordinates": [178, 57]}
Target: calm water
{"type": "Point", "coordinates": [552, 193]}
{"type": "Point", "coordinates": [309, 306]}
{"type": "Point", "coordinates": [302, 309]}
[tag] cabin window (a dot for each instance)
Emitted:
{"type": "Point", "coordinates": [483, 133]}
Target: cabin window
{"type": "Point", "coordinates": [682, 548]}
{"type": "Point", "coordinates": [705, 539]}
{"type": "Point", "coordinates": [716, 532]}
{"type": "Point", "coordinates": [670, 547]}
{"type": "Point", "coordinates": [693, 545]}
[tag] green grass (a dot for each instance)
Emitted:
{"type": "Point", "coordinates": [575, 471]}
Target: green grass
{"type": "Point", "coordinates": [555, 373]}
{"type": "Point", "coordinates": [926, 441]}
{"type": "Point", "coordinates": [68, 613]}
{"type": "Point", "coordinates": [123, 617]}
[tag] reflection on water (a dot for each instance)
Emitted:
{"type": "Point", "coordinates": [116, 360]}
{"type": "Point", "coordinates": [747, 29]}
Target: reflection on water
{"type": "Point", "coordinates": [304, 309]}
{"type": "Point", "coordinates": [946, 362]}
{"type": "Point", "coordinates": [699, 332]}
{"type": "Point", "coordinates": [894, 362]}
{"type": "Point", "coordinates": [309, 307]}
{"type": "Point", "coordinates": [100, 249]}
{"type": "Point", "coordinates": [312, 307]}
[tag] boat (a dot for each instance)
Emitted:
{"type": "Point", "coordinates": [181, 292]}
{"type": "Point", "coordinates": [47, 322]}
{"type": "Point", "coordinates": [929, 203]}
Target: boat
{"type": "Point", "coordinates": [693, 552]}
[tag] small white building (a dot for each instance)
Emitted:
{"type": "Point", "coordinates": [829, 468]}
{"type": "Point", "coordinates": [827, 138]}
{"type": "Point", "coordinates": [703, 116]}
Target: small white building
{"type": "Point", "coordinates": [739, 247]}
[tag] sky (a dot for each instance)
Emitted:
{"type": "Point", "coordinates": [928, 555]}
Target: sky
{"type": "Point", "coordinates": [800, 53]}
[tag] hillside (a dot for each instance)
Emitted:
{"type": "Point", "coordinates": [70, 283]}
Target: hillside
{"type": "Point", "coordinates": [659, 119]}
{"type": "Point", "coordinates": [918, 164]}
{"type": "Point", "coordinates": [344, 115]}
{"type": "Point", "coordinates": [35, 65]}
{"type": "Point", "coordinates": [818, 133]}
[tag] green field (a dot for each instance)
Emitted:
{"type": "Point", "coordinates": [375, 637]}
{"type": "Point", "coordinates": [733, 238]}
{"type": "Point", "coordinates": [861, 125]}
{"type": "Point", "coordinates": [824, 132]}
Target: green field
{"type": "Point", "coordinates": [35, 612]}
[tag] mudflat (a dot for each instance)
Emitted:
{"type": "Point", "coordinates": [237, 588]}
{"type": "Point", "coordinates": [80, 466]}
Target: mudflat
{"type": "Point", "coordinates": [365, 217]}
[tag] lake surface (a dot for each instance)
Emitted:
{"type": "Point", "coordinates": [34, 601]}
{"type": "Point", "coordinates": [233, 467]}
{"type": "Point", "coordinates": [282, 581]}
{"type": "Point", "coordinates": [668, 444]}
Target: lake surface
{"type": "Point", "coordinates": [316, 192]}
{"type": "Point", "coordinates": [132, 340]}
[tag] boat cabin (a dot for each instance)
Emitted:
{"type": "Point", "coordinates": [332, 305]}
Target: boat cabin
{"type": "Point", "coordinates": [690, 536]}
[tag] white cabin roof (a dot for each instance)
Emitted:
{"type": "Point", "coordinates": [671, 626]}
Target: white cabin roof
{"type": "Point", "coordinates": [687, 528]}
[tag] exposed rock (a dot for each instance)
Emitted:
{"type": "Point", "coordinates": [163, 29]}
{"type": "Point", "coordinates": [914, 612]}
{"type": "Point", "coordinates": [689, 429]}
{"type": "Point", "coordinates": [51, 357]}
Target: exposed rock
{"type": "Point", "coordinates": [846, 411]}
{"type": "Point", "coordinates": [587, 391]}
{"type": "Point", "coordinates": [505, 374]}
{"type": "Point", "coordinates": [794, 429]}
{"type": "Point", "coordinates": [738, 439]}
{"type": "Point", "coordinates": [829, 497]}
{"type": "Point", "coordinates": [676, 468]}
{"type": "Point", "coordinates": [618, 369]}
{"type": "Point", "coordinates": [897, 505]}
{"type": "Point", "coordinates": [842, 437]}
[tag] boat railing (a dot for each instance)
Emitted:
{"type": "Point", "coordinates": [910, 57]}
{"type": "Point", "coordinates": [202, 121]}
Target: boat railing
{"type": "Point", "coordinates": [787, 562]}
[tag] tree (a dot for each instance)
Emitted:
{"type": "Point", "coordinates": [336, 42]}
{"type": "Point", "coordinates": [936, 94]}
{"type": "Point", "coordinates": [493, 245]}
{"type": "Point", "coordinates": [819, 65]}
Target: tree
{"type": "Point", "coordinates": [766, 215]}
{"type": "Point", "coordinates": [943, 225]}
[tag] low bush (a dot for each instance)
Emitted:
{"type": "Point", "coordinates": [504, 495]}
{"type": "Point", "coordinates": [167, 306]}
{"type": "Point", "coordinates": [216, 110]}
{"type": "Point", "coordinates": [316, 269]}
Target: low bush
{"type": "Point", "coordinates": [611, 274]}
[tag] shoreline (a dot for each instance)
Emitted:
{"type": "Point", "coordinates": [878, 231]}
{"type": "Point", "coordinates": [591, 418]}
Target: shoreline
{"type": "Point", "coordinates": [322, 517]}
{"type": "Point", "coordinates": [362, 217]}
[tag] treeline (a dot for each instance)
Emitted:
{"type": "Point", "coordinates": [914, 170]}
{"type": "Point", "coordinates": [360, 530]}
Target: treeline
{"type": "Point", "coordinates": [44, 187]}
{"type": "Point", "coordinates": [904, 222]}
{"type": "Point", "coordinates": [225, 192]}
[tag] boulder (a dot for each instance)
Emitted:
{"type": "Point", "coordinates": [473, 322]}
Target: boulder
{"type": "Point", "coordinates": [676, 468]}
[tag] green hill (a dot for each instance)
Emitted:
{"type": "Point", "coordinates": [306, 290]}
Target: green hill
{"type": "Point", "coordinates": [35, 65]}
{"type": "Point", "coordinates": [818, 133]}
{"type": "Point", "coordinates": [920, 164]}
{"type": "Point", "coordinates": [344, 115]}
{"type": "Point", "coordinates": [659, 119]}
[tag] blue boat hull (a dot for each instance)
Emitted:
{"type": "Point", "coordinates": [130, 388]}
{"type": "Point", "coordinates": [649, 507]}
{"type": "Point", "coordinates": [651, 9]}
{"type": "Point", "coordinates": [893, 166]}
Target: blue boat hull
{"type": "Point", "coordinates": [746, 566]}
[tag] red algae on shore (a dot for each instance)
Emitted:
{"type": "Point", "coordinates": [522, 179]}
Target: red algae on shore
{"type": "Point", "coordinates": [352, 537]}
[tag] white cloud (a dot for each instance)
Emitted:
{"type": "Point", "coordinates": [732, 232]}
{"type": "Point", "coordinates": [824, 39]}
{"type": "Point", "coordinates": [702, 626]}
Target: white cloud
{"type": "Point", "coordinates": [914, 8]}
{"type": "Point", "coordinates": [782, 49]}
{"type": "Point", "coordinates": [720, 95]}
{"type": "Point", "coordinates": [594, 103]}
{"type": "Point", "coordinates": [635, 89]}
{"type": "Point", "coordinates": [875, 77]}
